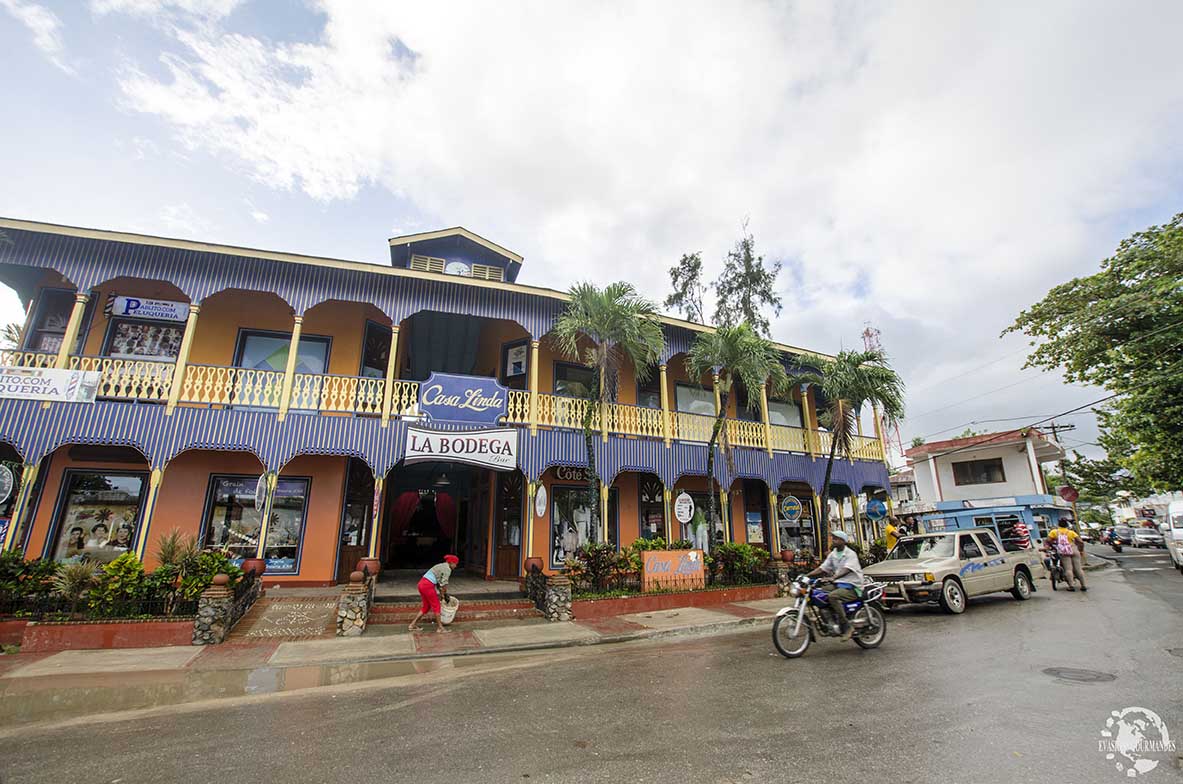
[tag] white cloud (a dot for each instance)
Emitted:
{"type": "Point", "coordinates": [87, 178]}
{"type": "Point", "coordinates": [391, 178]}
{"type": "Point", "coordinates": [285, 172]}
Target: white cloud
{"type": "Point", "coordinates": [931, 167]}
{"type": "Point", "coordinates": [209, 9]}
{"type": "Point", "coordinates": [182, 219]}
{"type": "Point", "coordinates": [257, 215]}
{"type": "Point", "coordinates": [46, 28]}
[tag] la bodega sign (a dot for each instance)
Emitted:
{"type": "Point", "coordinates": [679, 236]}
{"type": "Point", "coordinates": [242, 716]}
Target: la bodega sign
{"type": "Point", "coordinates": [496, 449]}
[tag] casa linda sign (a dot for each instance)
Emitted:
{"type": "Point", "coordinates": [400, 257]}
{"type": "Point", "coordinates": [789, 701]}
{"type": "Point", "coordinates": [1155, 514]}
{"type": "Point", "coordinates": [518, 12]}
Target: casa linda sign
{"type": "Point", "coordinates": [491, 448]}
{"type": "Point", "coordinates": [472, 399]}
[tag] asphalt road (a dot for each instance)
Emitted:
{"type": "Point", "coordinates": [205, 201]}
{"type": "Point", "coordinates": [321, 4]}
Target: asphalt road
{"type": "Point", "coordinates": [1148, 570]}
{"type": "Point", "coordinates": [947, 699]}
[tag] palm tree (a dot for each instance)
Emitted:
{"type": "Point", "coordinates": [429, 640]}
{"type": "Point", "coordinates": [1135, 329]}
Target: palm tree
{"type": "Point", "coordinates": [848, 382]}
{"type": "Point", "coordinates": [601, 328]}
{"type": "Point", "coordinates": [736, 353]}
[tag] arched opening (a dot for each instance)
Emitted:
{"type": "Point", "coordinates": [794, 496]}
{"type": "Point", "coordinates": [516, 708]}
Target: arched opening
{"type": "Point", "coordinates": [751, 513]}
{"type": "Point", "coordinates": [436, 342]}
{"type": "Point", "coordinates": [796, 517]}
{"type": "Point", "coordinates": [691, 518]}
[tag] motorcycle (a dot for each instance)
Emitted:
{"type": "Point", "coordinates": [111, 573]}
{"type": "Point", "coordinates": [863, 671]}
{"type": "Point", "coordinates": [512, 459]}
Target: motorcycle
{"type": "Point", "coordinates": [1114, 542]}
{"type": "Point", "coordinates": [810, 616]}
{"type": "Point", "coordinates": [1055, 568]}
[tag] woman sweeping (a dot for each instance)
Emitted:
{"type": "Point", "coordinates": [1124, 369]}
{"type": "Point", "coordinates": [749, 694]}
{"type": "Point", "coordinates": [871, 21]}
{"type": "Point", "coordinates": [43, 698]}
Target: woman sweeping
{"type": "Point", "coordinates": [430, 586]}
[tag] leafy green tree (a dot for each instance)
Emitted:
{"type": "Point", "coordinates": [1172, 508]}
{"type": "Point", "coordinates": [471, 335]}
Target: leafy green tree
{"type": "Point", "coordinates": [738, 354]}
{"type": "Point", "coordinates": [746, 286]}
{"type": "Point", "coordinates": [918, 441]}
{"type": "Point", "coordinates": [686, 281]}
{"type": "Point", "coordinates": [1122, 329]}
{"type": "Point", "coordinates": [848, 382]}
{"type": "Point", "coordinates": [602, 328]}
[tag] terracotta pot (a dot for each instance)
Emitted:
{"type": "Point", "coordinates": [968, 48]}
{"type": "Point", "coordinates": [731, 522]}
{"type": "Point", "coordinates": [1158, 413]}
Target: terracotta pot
{"type": "Point", "coordinates": [256, 565]}
{"type": "Point", "coordinates": [373, 565]}
{"type": "Point", "coordinates": [786, 556]}
{"type": "Point", "coordinates": [533, 564]}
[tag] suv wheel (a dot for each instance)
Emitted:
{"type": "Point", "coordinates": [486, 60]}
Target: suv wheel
{"type": "Point", "coordinates": [952, 597]}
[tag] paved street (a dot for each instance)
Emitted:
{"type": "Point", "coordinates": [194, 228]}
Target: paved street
{"type": "Point", "coordinates": [962, 699]}
{"type": "Point", "coordinates": [1148, 569]}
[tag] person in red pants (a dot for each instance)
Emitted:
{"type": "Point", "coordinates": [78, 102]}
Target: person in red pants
{"type": "Point", "coordinates": [430, 586]}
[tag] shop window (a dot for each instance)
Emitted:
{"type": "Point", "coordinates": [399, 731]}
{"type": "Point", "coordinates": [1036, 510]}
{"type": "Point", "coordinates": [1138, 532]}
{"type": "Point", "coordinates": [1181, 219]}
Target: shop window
{"type": "Point", "coordinates": [696, 529]}
{"type": "Point", "coordinates": [755, 499]}
{"type": "Point", "coordinates": [359, 505]}
{"type": "Point", "coordinates": [649, 392]}
{"type": "Point", "coordinates": [375, 350]}
{"type": "Point", "coordinates": [231, 521]}
{"type": "Point", "coordinates": [571, 520]}
{"type": "Point", "coordinates": [979, 472]}
{"type": "Point", "coordinates": [50, 318]}
{"type": "Point", "coordinates": [141, 339]}
{"type": "Point", "coordinates": [515, 364]}
{"type": "Point", "coordinates": [574, 380]}
{"type": "Point", "coordinates": [269, 351]}
{"type": "Point", "coordinates": [98, 515]}
{"type": "Point", "coordinates": [652, 508]}
{"type": "Point", "coordinates": [695, 400]}
{"type": "Point", "coordinates": [781, 412]}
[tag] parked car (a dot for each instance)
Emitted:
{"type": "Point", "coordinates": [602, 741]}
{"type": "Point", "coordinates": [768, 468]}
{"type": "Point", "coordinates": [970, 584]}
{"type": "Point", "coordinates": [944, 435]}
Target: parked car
{"type": "Point", "coordinates": [951, 567]}
{"type": "Point", "coordinates": [1174, 534]}
{"type": "Point", "coordinates": [1148, 537]}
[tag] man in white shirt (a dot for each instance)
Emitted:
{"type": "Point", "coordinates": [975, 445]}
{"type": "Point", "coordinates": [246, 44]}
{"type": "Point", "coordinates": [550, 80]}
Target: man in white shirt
{"type": "Point", "coordinates": [843, 567]}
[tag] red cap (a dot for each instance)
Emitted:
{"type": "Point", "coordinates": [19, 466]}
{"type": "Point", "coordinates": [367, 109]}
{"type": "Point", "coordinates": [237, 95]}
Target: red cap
{"type": "Point", "coordinates": [451, 559]}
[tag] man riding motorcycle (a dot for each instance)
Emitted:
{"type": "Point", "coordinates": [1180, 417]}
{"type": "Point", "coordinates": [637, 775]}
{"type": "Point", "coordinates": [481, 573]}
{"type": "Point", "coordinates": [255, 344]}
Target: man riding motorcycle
{"type": "Point", "coordinates": [843, 568]}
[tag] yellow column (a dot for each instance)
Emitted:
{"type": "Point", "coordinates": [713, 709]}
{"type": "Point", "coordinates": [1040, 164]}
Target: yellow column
{"type": "Point", "coordinates": [724, 516]}
{"type": "Point", "coordinates": [667, 495]}
{"type": "Point", "coordinates": [265, 525]}
{"type": "Point", "coordinates": [818, 544]}
{"type": "Point", "coordinates": [858, 421]}
{"type": "Point", "coordinates": [391, 377]}
{"type": "Point", "coordinates": [174, 392]}
{"type": "Point", "coordinates": [718, 399]}
{"type": "Point", "coordinates": [666, 418]}
{"type": "Point", "coordinates": [376, 514]}
{"type": "Point", "coordinates": [289, 371]}
{"type": "Point", "coordinates": [28, 479]}
{"type": "Point", "coordinates": [154, 480]}
{"type": "Point", "coordinates": [858, 526]}
{"type": "Point", "coordinates": [72, 328]}
{"type": "Point", "coordinates": [528, 528]}
{"type": "Point", "coordinates": [767, 421]}
{"type": "Point", "coordinates": [604, 509]}
{"type": "Point", "coordinates": [603, 411]}
{"type": "Point", "coordinates": [774, 522]}
{"type": "Point", "coordinates": [810, 416]}
{"type": "Point", "coordinates": [533, 387]}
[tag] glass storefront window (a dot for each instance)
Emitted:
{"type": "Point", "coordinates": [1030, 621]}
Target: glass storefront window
{"type": "Point", "coordinates": [696, 529]}
{"type": "Point", "coordinates": [570, 521]}
{"type": "Point", "coordinates": [99, 515]}
{"type": "Point", "coordinates": [509, 509]}
{"type": "Point", "coordinates": [652, 507]}
{"type": "Point", "coordinates": [782, 413]}
{"type": "Point", "coordinates": [49, 320]}
{"type": "Point", "coordinates": [695, 400]}
{"type": "Point", "coordinates": [232, 522]}
{"type": "Point", "coordinates": [139, 339]}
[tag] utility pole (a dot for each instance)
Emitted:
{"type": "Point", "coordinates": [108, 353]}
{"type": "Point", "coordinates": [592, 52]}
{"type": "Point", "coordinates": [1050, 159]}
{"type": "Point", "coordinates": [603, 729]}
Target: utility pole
{"type": "Point", "coordinates": [1056, 430]}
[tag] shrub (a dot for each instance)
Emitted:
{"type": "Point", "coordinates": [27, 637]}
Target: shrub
{"type": "Point", "coordinates": [119, 584]}
{"type": "Point", "coordinates": [736, 564]}
{"type": "Point", "coordinates": [877, 552]}
{"type": "Point", "coordinates": [199, 574]}
{"type": "Point", "coordinates": [593, 564]}
{"type": "Point", "coordinates": [73, 582]}
{"type": "Point", "coordinates": [680, 544]}
{"type": "Point", "coordinates": [20, 578]}
{"type": "Point", "coordinates": [630, 559]}
{"type": "Point", "coordinates": [176, 549]}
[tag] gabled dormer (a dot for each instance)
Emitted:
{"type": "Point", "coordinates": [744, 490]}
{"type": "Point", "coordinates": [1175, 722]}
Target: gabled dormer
{"type": "Point", "coordinates": [455, 252]}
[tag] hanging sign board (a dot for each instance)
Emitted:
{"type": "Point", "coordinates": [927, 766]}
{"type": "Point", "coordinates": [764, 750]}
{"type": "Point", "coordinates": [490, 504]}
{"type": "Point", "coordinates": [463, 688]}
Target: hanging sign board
{"type": "Point", "coordinates": [260, 492]}
{"type": "Point", "coordinates": [153, 309]}
{"type": "Point", "coordinates": [63, 386]}
{"type": "Point", "coordinates": [683, 508]}
{"type": "Point", "coordinates": [876, 509]}
{"type": "Point", "coordinates": [540, 502]}
{"type": "Point", "coordinates": [7, 480]}
{"type": "Point", "coordinates": [496, 449]}
{"type": "Point", "coordinates": [790, 508]}
{"type": "Point", "coordinates": [449, 398]}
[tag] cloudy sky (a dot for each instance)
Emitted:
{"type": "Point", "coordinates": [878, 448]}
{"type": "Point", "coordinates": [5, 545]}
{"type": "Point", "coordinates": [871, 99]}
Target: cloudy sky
{"type": "Point", "coordinates": [930, 168]}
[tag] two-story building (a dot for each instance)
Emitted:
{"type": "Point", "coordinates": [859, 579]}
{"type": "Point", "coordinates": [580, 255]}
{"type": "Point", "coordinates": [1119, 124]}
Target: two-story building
{"type": "Point", "coordinates": [313, 412]}
{"type": "Point", "coordinates": [987, 479]}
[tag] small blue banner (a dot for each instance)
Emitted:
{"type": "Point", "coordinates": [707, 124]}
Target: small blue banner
{"type": "Point", "coordinates": [876, 509]}
{"type": "Point", "coordinates": [450, 398]}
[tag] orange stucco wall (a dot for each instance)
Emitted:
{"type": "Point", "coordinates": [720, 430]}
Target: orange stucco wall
{"type": "Point", "coordinates": [182, 496]}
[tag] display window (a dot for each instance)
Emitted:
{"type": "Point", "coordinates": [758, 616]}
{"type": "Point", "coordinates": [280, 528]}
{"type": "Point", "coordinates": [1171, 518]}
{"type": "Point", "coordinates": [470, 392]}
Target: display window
{"type": "Point", "coordinates": [139, 339]}
{"type": "Point", "coordinates": [98, 515]}
{"type": "Point", "coordinates": [652, 508]}
{"type": "Point", "coordinates": [232, 523]}
{"type": "Point", "coordinates": [571, 520]}
{"type": "Point", "coordinates": [697, 529]}
{"type": "Point", "coordinates": [695, 400]}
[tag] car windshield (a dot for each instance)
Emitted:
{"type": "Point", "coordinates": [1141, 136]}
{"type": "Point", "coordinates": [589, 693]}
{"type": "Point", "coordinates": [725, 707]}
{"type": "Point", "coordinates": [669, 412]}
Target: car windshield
{"type": "Point", "coordinates": [922, 547]}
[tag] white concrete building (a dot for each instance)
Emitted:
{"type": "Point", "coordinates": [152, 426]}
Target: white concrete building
{"type": "Point", "coordinates": [987, 466]}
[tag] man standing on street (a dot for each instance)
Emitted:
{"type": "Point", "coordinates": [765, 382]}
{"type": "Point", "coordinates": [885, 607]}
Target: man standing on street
{"type": "Point", "coordinates": [843, 567]}
{"type": "Point", "coordinates": [1068, 545]}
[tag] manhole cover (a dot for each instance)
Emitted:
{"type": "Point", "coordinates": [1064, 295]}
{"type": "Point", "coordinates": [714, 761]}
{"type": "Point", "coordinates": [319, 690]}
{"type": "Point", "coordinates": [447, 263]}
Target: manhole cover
{"type": "Point", "coordinates": [1176, 652]}
{"type": "Point", "coordinates": [1080, 676]}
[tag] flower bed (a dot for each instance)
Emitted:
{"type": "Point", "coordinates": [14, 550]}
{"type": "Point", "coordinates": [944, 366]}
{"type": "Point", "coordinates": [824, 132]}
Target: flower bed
{"type": "Point", "coordinates": [591, 609]}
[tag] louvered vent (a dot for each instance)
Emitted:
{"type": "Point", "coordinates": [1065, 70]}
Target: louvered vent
{"type": "Point", "coordinates": [487, 272]}
{"type": "Point", "coordinates": [427, 263]}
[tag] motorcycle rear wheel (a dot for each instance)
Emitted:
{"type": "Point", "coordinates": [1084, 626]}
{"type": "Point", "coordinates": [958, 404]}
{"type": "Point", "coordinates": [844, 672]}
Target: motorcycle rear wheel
{"type": "Point", "coordinates": [876, 629]}
{"type": "Point", "coordinates": [786, 643]}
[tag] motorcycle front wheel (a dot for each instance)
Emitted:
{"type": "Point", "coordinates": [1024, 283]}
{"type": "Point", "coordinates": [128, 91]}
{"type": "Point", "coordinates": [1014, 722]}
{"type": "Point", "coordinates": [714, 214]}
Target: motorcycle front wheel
{"type": "Point", "coordinates": [876, 629]}
{"type": "Point", "coordinates": [789, 644]}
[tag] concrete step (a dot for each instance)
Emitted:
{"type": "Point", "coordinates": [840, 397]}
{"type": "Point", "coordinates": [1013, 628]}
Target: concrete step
{"type": "Point", "coordinates": [469, 611]}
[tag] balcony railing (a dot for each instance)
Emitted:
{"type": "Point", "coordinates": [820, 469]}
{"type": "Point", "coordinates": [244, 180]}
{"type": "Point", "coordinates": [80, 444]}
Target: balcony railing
{"type": "Point", "coordinates": [217, 386]}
